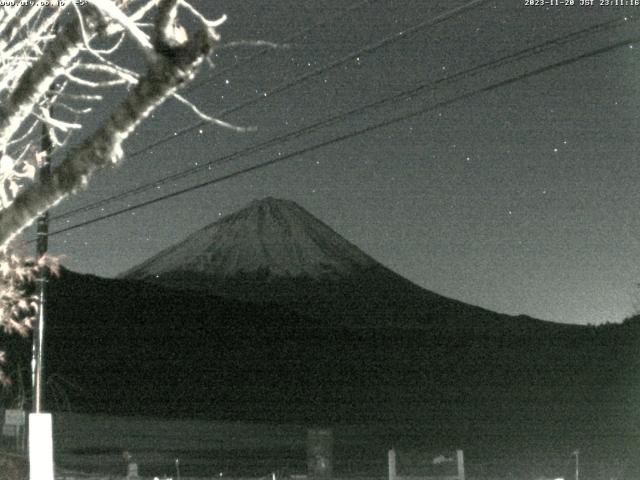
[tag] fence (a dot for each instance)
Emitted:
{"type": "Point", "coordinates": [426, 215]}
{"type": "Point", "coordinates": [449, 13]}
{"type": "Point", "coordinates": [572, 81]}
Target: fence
{"type": "Point", "coordinates": [423, 465]}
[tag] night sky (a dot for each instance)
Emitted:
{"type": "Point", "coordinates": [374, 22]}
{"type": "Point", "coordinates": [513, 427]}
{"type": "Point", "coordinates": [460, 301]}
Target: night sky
{"type": "Point", "coordinates": [522, 199]}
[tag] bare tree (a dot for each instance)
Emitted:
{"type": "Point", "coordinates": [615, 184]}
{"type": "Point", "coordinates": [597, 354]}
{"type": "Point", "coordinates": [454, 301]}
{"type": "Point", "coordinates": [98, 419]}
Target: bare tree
{"type": "Point", "coordinates": [73, 46]}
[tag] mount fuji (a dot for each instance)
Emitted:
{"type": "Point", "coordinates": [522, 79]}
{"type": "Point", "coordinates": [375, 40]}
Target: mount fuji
{"type": "Point", "coordinates": [274, 251]}
{"type": "Point", "coordinates": [270, 238]}
{"type": "Point", "coordinates": [270, 315]}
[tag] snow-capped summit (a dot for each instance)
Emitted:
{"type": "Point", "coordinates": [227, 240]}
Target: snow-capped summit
{"type": "Point", "coordinates": [269, 238]}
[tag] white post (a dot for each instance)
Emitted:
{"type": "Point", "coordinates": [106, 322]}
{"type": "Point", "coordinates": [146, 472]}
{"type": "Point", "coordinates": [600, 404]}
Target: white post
{"type": "Point", "coordinates": [132, 471]}
{"type": "Point", "coordinates": [40, 446]}
{"type": "Point", "coordinates": [392, 464]}
{"type": "Point", "coordinates": [460, 457]}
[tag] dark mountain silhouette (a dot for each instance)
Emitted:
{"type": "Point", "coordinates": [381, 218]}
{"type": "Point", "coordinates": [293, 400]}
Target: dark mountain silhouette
{"type": "Point", "coordinates": [121, 346]}
{"type": "Point", "coordinates": [270, 315]}
{"type": "Point", "coordinates": [274, 251]}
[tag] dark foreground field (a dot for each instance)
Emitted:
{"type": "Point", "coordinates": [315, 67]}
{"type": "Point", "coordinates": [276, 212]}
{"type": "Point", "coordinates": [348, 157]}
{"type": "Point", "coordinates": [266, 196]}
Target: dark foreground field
{"type": "Point", "coordinates": [517, 395]}
{"type": "Point", "coordinates": [235, 449]}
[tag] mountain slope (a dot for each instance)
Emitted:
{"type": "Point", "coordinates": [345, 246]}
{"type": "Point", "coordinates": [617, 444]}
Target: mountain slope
{"type": "Point", "coordinates": [121, 346]}
{"type": "Point", "coordinates": [274, 251]}
{"type": "Point", "coordinates": [293, 324]}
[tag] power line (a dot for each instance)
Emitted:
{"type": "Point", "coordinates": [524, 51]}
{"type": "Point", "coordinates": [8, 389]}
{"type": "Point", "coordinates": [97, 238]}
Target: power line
{"type": "Point", "coordinates": [533, 50]}
{"type": "Point", "coordinates": [261, 52]}
{"type": "Point", "coordinates": [314, 73]}
{"type": "Point", "coordinates": [361, 131]}
{"type": "Point", "coordinates": [291, 38]}
{"type": "Point", "coordinates": [288, 84]}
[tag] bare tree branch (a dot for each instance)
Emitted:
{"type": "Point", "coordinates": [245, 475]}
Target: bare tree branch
{"type": "Point", "coordinates": [34, 83]}
{"type": "Point", "coordinates": [171, 69]}
{"type": "Point", "coordinates": [40, 48]}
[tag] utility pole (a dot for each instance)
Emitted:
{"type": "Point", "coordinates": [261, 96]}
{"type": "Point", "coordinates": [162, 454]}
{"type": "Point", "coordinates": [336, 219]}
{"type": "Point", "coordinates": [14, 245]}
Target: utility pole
{"type": "Point", "coordinates": [577, 454]}
{"type": "Point", "coordinates": [37, 359]}
{"type": "Point", "coordinates": [40, 424]}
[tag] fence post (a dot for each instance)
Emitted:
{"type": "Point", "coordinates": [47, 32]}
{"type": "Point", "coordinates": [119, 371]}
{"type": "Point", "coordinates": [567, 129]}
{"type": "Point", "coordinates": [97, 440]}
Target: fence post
{"type": "Point", "coordinates": [319, 453]}
{"type": "Point", "coordinates": [460, 458]}
{"type": "Point", "coordinates": [132, 471]}
{"type": "Point", "coordinates": [392, 464]}
{"type": "Point", "coordinates": [40, 446]}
